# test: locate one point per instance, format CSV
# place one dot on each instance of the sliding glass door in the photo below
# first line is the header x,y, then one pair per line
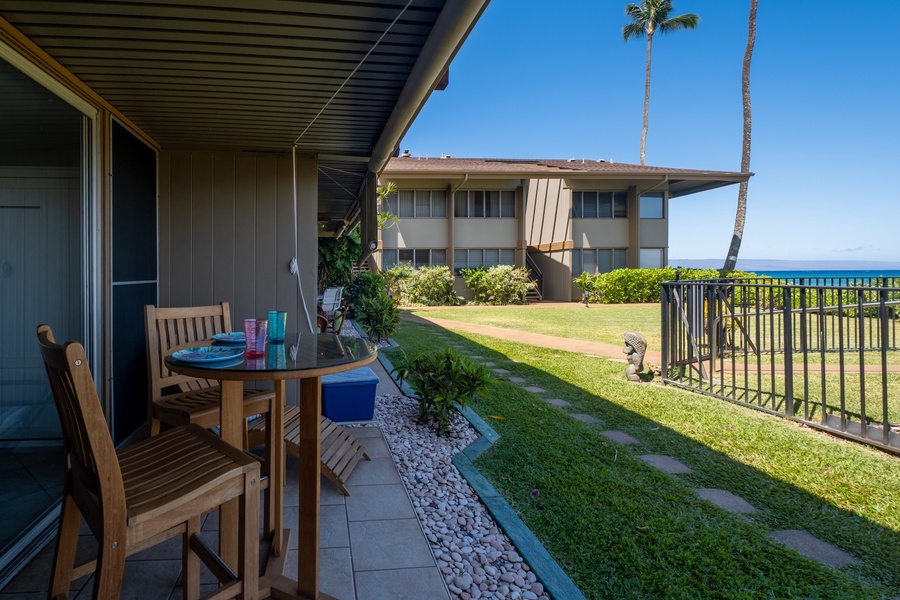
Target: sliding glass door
x,y
44,278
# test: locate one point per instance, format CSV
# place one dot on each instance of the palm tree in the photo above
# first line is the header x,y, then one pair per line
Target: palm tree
x,y
741,214
649,17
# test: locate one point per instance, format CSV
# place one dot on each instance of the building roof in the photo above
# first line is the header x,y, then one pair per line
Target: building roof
x,y
681,181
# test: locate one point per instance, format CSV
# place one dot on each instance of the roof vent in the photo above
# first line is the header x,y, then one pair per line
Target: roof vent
x,y
445,156
405,154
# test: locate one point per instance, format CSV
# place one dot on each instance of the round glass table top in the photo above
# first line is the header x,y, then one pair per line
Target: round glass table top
x,y
316,353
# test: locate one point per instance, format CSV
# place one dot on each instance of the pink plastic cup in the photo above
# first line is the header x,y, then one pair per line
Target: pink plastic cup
x,y
255,331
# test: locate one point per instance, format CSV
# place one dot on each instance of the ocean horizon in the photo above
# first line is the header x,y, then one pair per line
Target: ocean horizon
x,y
864,275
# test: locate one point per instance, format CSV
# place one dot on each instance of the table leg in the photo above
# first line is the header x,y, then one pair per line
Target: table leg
x,y
308,481
276,458
231,417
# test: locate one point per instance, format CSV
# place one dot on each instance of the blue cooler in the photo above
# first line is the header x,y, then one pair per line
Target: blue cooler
x,y
350,395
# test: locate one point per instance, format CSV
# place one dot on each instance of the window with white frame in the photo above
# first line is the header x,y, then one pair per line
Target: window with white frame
x,y
599,205
598,260
417,257
651,258
484,204
417,204
472,258
652,205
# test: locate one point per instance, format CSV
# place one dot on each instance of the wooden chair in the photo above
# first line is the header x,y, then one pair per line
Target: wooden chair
x,y
195,400
322,323
142,495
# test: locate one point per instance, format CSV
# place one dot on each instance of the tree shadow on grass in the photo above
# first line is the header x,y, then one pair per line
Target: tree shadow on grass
x,y
623,529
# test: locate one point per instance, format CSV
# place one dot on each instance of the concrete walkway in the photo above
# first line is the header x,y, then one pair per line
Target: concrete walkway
x,y
612,351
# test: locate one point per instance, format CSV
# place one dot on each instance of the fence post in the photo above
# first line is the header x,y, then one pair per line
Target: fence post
x,y
665,307
788,353
883,322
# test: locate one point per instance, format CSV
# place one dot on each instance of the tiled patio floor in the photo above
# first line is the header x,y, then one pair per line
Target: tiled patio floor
x,y
372,546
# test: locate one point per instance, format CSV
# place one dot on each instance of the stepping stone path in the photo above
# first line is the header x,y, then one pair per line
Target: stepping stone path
x,y
812,547
535,389
557,402
489,364
586,418
665,463
727,500
516,380
619,436
500,371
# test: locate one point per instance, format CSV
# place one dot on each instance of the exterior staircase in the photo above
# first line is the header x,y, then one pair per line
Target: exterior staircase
x,y
535,294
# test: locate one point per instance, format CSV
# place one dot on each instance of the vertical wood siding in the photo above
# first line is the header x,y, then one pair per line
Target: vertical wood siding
x,y
226,233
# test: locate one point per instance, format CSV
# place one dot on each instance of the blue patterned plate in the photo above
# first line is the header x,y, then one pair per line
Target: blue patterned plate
x,y
205,354
232,337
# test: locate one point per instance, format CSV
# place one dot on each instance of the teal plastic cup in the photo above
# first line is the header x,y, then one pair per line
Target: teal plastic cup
x,y
277,323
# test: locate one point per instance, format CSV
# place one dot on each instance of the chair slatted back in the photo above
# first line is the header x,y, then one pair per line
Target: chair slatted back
x,y
331,300
93,468
166,328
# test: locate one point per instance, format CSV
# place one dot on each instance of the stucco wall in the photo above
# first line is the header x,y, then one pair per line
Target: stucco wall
x,y
485,233
416,233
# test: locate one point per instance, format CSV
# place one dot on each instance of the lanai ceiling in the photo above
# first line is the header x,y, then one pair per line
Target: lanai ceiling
x,y
339,79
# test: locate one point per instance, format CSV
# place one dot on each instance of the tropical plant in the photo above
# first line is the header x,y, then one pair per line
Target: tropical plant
x,y
336,258
366,284
648,18
741,213
442,380
378,316
386,218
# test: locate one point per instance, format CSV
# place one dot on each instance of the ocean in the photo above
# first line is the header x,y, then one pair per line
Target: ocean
x,y
859,276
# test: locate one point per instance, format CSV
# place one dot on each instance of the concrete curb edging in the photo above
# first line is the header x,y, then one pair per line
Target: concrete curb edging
x,y
555,581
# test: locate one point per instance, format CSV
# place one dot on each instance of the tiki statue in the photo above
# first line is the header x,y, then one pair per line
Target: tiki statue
x,y
635,347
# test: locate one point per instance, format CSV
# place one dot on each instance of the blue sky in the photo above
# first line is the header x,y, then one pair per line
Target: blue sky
x,y
539,79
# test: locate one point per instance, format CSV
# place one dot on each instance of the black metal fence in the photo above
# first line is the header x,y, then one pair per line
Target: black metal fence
x,y
826,353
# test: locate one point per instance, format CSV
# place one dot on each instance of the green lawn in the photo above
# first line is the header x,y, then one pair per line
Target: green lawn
x,y
622,529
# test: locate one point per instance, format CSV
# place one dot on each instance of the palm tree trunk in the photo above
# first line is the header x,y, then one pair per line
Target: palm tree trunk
x,y
646,101
741,214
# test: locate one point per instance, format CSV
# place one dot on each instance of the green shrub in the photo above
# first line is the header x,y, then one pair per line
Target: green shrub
x,y
500,284
378,316
630,286
366,284
442,380
396,277
431,286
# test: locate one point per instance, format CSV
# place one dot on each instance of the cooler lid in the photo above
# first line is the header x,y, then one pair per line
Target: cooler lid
x,y
360,375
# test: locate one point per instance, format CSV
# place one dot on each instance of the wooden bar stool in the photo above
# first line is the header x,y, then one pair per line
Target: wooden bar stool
x,y
144,494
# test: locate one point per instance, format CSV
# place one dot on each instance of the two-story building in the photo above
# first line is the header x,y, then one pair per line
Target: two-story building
x,y
559,217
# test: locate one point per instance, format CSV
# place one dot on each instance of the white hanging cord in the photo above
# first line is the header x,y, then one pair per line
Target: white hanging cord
x,y
353,72
295,268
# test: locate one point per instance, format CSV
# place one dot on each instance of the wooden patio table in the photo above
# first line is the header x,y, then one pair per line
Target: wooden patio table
x,y
306,357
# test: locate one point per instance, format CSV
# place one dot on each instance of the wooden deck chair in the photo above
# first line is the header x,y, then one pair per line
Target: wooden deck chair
x,y
340,451
196,400
144,494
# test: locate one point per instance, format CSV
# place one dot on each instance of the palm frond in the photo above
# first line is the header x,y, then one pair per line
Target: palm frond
x,y
688,21
633,30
